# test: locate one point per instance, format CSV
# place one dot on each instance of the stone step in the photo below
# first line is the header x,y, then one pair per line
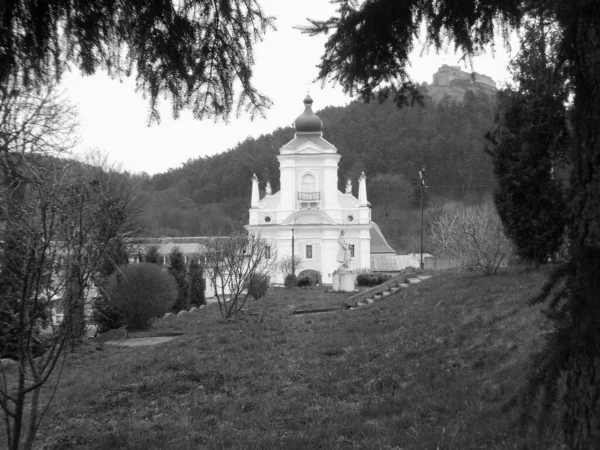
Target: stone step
x,y
413,280
395,289
386,293
424,277
403,285
362,303
370,300
377,296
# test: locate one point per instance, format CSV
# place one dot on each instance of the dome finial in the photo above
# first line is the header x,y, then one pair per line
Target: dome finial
x,y
308,121
308,101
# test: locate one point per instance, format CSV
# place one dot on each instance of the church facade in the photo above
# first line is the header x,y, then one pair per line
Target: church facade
x,y
310,211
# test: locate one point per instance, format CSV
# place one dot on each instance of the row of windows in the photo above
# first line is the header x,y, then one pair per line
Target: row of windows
x,y
309,251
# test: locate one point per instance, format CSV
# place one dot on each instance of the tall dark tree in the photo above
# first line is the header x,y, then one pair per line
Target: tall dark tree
x,y
527,145
178,269
197,283
369,44
192,52
152,255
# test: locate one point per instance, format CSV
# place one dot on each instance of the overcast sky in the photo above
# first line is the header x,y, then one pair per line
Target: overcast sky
x,y
114,118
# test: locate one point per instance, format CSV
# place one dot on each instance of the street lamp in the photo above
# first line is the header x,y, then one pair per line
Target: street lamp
x,y
421,172
293,257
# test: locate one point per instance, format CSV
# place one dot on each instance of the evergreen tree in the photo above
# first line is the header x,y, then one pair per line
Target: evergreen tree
x,y
178,269
193,52
197,284
152,256
369,43
527,144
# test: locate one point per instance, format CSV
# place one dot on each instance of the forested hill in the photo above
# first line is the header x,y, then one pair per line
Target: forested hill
x,y
211,195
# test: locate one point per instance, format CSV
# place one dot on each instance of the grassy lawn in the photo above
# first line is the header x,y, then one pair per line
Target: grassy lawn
x,y
431,367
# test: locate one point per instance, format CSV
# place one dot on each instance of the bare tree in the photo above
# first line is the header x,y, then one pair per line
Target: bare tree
x,y
474,235
232,263
286,267
58,219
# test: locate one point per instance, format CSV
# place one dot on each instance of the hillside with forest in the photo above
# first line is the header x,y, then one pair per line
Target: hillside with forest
x,y
211,195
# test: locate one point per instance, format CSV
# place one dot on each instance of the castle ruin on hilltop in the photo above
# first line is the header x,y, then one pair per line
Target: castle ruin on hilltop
x,y
453,82
446,74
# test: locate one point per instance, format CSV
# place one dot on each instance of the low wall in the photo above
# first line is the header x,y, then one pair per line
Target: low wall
x,y
440,263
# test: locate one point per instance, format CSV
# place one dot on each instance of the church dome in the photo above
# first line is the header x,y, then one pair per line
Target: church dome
x,y
308,121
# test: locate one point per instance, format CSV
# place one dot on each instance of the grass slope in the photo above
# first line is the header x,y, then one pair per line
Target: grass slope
x,y
428,368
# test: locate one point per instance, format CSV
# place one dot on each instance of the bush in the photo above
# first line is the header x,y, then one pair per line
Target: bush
x,y
258,286
371,279
141,293
314,277
474,235
304,281
178,269
291,281
105,315
197,284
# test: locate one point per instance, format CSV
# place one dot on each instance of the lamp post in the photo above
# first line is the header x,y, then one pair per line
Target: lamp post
x,y
293,257
422,186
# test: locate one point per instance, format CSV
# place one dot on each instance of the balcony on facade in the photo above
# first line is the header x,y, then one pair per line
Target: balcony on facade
x,y
309,199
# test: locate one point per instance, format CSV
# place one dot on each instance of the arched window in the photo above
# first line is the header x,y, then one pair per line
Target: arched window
x,y
308,183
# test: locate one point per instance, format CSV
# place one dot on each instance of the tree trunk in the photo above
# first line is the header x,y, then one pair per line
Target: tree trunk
x,y
582,397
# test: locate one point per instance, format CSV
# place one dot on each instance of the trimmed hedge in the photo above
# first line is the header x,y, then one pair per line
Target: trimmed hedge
x,y
372,279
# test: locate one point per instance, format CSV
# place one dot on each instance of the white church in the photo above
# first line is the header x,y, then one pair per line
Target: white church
x,y
310,209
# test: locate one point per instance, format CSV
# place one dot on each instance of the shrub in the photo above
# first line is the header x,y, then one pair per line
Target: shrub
x,y
304,281
258,286
152,255
105,315
474,235
178,269
371,279
196,283
290,281
314,277
141,293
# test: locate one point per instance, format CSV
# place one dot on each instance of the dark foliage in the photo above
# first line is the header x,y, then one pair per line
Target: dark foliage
x,y
178,270
291,281
304,282
192,52
152,256
197,284
309,277
369,44
141,293
259,285
371,279
105,315
528,148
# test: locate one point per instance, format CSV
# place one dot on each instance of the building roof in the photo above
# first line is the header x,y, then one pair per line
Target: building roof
x,y
187,245
308,121
378,243
302,139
